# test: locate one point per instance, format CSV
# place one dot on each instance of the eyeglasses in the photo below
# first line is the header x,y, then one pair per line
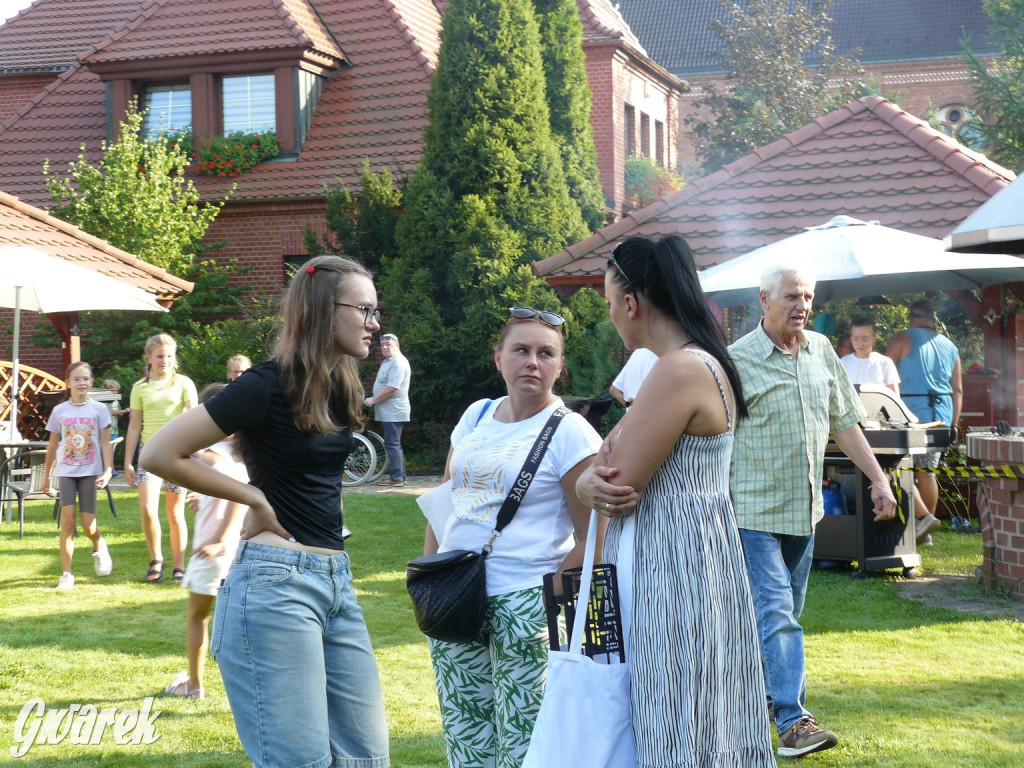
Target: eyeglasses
x,y
525,313
368,312
615,263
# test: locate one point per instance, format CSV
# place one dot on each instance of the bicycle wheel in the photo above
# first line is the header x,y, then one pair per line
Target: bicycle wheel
x,y
360,463
382,456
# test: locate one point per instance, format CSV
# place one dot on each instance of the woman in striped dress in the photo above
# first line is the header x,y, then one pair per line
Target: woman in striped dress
x,y
663,477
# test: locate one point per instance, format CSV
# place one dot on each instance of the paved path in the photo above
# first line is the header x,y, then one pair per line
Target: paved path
x,y
416,485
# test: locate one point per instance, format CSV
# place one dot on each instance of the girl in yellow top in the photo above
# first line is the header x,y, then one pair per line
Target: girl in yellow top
x,y
158,397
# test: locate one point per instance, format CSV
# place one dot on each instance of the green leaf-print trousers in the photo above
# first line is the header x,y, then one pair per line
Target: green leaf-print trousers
x,y
491,689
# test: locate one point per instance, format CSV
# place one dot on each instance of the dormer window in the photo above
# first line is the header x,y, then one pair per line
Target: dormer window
x,y
248,104
168,109
261,71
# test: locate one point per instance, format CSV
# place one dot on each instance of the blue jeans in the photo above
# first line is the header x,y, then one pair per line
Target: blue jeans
x,y
296,660
778,567
393,448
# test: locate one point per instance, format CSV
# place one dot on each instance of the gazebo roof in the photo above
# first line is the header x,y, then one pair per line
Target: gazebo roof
x,y
23,224
869,159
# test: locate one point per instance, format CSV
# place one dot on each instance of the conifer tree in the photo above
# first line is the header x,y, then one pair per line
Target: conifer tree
x,y
488,199
568,91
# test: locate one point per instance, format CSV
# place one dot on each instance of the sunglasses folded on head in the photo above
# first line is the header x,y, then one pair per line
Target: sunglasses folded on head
x,y
525,313
615,263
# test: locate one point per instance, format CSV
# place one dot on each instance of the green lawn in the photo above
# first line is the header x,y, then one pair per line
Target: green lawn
x,y
902,683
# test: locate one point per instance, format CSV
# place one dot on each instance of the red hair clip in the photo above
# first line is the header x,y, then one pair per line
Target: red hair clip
x,y
311,270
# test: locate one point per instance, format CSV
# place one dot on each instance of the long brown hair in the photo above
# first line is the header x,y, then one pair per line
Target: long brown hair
x,y
306,344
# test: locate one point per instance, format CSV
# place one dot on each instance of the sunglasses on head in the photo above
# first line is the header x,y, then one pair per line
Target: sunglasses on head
x,y
615,263
525,313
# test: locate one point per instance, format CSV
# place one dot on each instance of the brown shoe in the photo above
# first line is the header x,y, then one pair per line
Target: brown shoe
x,y
804,737
389,482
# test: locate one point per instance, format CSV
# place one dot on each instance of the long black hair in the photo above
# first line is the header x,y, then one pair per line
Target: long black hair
x,y
662,273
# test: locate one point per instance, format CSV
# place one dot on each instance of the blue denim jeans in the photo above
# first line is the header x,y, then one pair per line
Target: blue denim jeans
x,y
393,448
296,660
778,567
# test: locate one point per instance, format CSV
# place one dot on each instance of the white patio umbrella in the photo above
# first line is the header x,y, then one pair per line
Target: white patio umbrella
x,y
997,226
34,280
852,258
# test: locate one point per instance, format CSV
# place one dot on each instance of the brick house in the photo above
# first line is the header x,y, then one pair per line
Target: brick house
x,y
911,46
339,81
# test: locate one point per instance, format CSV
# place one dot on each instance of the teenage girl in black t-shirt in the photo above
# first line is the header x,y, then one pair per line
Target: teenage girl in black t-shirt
x,y
289,637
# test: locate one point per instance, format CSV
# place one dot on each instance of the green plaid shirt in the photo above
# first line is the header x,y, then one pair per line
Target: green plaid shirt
x,y
794,404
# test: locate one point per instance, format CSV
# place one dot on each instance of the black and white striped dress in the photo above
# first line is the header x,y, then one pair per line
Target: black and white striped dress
x,y
697,688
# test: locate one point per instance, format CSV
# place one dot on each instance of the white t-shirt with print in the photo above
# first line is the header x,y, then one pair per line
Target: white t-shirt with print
x,y
486,460
79,453
873,369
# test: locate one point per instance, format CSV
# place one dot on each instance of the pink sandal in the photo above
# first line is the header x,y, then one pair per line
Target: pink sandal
x,y
179,687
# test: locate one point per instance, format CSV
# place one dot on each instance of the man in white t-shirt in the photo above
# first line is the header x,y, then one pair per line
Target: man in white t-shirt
x,y
632,375
390,401
864,365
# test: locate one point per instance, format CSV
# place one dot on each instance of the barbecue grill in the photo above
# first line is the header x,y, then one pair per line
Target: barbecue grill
x,y
895,436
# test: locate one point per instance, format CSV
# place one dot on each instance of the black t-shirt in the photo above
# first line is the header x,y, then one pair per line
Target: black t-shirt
x,y
299,472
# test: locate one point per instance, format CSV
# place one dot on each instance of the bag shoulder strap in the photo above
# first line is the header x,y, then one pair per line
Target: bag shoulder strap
x,y
526,474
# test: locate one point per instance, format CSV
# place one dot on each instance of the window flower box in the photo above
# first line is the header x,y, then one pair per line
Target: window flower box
x,y
234,154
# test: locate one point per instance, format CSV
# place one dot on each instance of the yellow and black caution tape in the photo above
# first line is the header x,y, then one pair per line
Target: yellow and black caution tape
x,y
1001,471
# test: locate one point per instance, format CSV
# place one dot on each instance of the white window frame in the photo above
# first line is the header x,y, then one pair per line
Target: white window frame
x,y
244,104
176,117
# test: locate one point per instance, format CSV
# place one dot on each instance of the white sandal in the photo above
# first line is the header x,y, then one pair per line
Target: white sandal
x,y
179,687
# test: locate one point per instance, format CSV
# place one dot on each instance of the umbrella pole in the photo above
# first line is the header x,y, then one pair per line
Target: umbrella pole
x,y
14,362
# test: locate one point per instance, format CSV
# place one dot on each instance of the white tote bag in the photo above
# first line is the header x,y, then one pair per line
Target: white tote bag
x,y
585,717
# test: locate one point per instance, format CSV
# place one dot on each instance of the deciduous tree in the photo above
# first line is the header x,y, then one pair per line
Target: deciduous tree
x,y
138,198
784,73
999,84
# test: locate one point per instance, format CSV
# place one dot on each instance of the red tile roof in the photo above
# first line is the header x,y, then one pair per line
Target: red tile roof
x,y
602,21
166,28
51,34
870,160
374,109
22,224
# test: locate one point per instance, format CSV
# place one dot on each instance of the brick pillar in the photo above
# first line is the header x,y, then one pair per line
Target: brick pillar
x,y
1001,513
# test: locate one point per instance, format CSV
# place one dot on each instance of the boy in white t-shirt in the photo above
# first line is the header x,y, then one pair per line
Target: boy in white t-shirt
x,y
215,537
864,365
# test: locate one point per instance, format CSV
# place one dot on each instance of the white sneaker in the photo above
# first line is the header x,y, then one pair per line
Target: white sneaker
x,y
101,561
67,580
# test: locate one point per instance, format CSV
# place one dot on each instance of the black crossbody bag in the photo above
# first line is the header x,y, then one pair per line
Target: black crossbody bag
x,y
449,589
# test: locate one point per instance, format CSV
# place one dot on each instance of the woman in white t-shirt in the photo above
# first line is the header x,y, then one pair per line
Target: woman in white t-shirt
x,y
864,365
491,689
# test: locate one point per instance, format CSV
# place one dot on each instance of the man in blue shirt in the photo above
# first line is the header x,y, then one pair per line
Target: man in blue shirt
x,y
929,367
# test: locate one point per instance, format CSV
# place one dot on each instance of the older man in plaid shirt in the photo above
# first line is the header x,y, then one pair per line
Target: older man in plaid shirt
x,y
798,394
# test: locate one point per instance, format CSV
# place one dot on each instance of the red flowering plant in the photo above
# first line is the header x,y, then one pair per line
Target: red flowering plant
x,y
646,181
234,153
